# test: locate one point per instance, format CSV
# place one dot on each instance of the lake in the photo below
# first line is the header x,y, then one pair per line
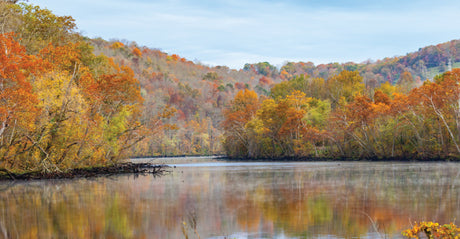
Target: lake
x,y
207,198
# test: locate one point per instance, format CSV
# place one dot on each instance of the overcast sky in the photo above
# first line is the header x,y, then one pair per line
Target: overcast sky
x,y
235,32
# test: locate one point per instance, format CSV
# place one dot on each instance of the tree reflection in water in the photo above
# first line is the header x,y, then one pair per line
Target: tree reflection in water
x,y
270,200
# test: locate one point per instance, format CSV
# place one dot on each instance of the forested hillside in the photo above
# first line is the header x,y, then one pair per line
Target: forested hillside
x,y
183,100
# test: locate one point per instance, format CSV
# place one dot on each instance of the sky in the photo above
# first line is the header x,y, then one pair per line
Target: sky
x,y
235,32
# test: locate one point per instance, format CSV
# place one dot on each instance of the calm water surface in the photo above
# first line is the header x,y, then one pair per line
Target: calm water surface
x,y
215,199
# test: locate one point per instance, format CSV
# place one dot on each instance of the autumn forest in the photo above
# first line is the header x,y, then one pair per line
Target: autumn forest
x,y
69,101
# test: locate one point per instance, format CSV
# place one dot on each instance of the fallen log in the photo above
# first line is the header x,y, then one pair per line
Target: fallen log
x,y
115,169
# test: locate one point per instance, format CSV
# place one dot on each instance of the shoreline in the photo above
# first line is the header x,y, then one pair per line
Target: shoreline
x,y
344,159
90,172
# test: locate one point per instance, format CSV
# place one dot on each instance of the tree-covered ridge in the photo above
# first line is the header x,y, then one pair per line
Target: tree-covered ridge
x,y
340,117
418,66
196,95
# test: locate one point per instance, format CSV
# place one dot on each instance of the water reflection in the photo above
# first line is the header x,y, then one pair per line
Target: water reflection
x,y
238,200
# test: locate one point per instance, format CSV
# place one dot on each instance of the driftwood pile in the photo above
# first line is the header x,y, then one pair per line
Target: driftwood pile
x,y
115,169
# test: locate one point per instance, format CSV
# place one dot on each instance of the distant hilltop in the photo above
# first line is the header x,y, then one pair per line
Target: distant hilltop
x,y
424,64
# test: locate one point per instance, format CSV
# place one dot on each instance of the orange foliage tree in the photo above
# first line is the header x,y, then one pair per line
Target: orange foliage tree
x,y
18,101
137,52
432,230
16,95
243,108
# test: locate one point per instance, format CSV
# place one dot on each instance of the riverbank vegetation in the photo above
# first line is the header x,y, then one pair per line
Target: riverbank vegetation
x,y
61,106
341,117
